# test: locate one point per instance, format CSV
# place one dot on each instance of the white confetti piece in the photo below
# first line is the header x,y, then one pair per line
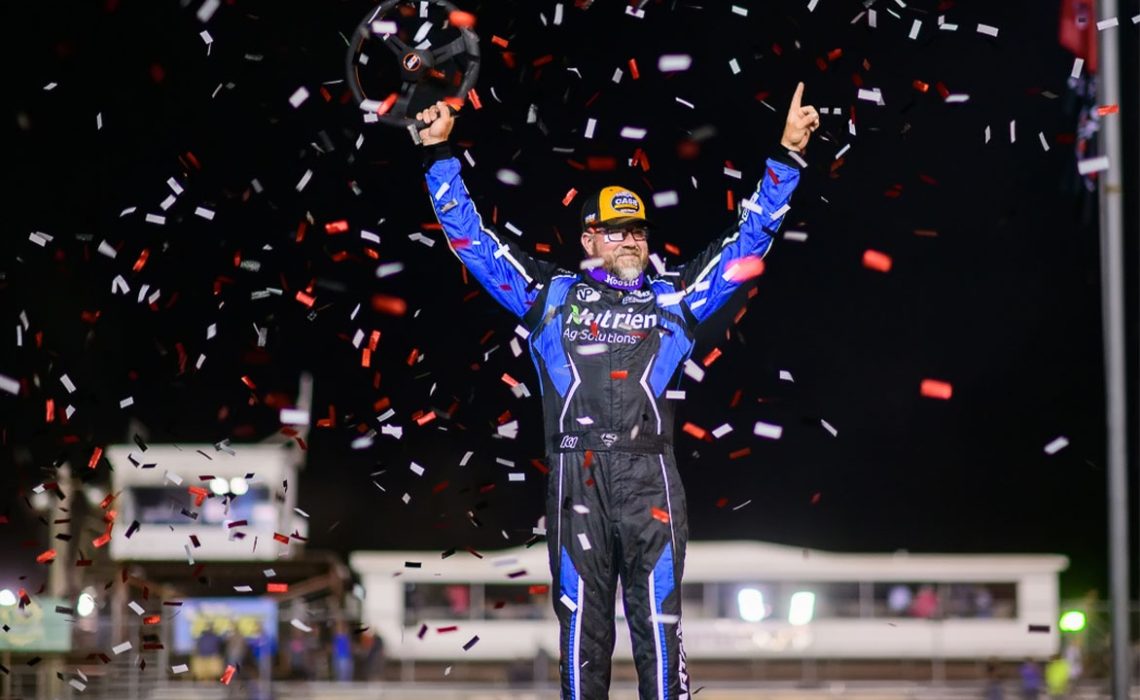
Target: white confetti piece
x,y
107,249
156,219
957,99
581,509
298,97
1078,63
871,95
513,229
393,430
1107,24
843,150
207,39
987,134
507,177
722,431
987,30
634,12
300,625
204,213
77,684
243,589
416,469
207,10
914,28
665,199
617,75
734,65
1013,131
675,394
557,14
693,370
509,430
786,376
127,402
9,385
50,86
798,236
674,63
565,599
99,121
180,668
781,211
1092,165
120,648
767,430
173,478
1044,143
40,239
138,609
67,384
812,3
1056,445
738,10
584,541
304,180
516,476
421,238
828,427
384,27
632,133
688,104
670,298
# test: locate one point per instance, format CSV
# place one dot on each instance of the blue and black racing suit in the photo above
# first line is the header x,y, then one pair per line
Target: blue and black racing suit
x,y
607,359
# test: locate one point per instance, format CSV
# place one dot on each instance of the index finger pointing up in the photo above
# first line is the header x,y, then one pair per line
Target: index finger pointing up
x,y
797,96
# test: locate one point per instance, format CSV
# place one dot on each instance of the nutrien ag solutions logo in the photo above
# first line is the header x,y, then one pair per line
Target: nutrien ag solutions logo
x,y
582,316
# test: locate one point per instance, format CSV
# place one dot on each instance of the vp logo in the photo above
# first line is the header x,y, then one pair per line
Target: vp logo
x,y
586,295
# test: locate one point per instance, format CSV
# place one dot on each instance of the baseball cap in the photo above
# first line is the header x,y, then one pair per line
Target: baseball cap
x,y
613,206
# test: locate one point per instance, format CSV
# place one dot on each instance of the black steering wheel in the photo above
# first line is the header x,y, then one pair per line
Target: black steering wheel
x,y
424,73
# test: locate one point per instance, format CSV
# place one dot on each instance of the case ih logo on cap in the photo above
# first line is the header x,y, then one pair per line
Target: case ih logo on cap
x,y
412,62
626,203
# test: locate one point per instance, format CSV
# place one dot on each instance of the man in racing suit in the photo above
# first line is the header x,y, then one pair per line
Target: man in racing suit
x,y
608,343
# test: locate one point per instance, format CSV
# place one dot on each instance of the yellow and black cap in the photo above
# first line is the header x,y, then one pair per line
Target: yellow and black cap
x,y
613,206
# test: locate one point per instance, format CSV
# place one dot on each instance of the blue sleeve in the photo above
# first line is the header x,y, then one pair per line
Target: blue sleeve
x,y
702,279
511,276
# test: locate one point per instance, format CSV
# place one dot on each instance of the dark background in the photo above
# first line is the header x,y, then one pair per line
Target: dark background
x,y
1003,302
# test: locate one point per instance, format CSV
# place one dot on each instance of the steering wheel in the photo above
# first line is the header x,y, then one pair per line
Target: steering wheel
x,y
426,73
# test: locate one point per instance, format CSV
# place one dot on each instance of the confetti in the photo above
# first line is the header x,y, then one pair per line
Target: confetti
x,y
767,430
584,541
1056,445
632,133
9,385
874,260
298,97
1092,165
674,63
935,389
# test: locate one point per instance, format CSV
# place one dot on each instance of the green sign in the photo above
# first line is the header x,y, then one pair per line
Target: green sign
x,y
36,627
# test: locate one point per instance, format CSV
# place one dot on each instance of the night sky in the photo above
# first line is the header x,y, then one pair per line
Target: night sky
x,y
994,284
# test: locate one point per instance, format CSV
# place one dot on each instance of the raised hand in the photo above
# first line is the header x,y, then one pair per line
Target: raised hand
x,y
801,122
439,120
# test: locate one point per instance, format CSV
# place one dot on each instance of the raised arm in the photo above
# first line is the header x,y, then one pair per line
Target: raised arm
x,y
504,269
709,279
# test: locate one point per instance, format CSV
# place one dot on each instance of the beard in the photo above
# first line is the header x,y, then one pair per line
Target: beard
x,y
626,263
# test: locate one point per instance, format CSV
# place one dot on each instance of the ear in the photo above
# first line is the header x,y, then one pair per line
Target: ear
x,y
586,239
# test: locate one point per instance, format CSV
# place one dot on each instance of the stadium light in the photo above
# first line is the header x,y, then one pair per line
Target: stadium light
x,y
7,598
1072,621
802,608
239,486
750,601
85,605
219,486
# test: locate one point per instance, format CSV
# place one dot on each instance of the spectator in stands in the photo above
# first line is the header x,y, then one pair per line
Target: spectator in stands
x,y
925,604
994,689
983,602
206,662
1057,677
898,599
341,653
1031,679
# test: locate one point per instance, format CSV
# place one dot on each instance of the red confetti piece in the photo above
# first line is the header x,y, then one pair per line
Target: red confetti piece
x,y
393,306
711,357
721,502
874,260
387,104
815,498
445,630
730,200
199,494
633,72
248,382
542,247
672,249
152,619
141,262
283,539
499,41
834,54
542,60
921,86
1107,109
509,380
96,455
336,226
49,411
426,418
934,389
461,19
101,540
474,97
228,675
695,430
305,299
744,269
46,557
659,514
619,374
365,357
588,459
276,588
538,589
569,197
455,103
742,452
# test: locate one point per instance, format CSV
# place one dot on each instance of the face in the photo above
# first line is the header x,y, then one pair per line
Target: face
x,y
626,259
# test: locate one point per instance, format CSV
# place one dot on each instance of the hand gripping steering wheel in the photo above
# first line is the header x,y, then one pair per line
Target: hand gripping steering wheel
x,y
426,73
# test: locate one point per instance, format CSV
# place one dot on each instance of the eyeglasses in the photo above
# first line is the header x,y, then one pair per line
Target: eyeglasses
x,y
617,235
